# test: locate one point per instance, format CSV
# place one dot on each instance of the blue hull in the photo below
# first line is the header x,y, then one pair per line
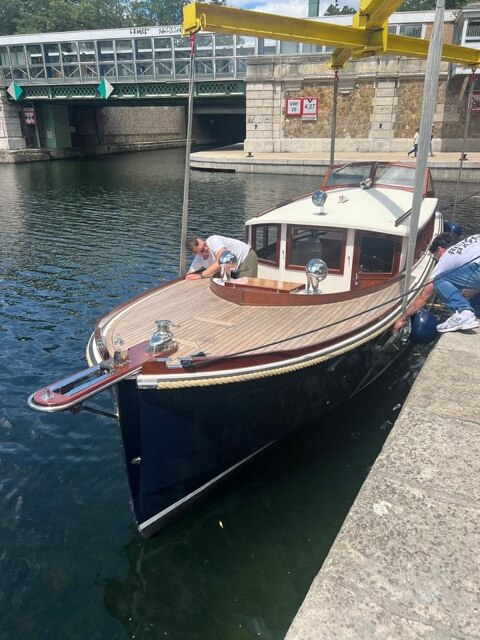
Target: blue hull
x,y
179,444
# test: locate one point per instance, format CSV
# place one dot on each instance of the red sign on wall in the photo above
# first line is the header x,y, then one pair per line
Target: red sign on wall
x,y
29,115
305,108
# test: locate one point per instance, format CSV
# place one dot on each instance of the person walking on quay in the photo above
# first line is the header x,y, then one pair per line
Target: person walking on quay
x,y
457,268
214,246
415,144
430,147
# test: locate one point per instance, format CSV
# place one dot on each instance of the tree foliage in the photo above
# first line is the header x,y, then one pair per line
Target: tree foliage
x,y
429,5
34,16
335,10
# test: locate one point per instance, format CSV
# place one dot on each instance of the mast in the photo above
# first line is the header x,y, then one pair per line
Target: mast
x,y
428,107
188,147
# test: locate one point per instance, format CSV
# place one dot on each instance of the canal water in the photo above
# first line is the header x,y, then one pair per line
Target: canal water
x,y
78,237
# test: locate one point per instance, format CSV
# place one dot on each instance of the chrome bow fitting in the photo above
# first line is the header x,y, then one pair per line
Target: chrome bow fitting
x,y
162,338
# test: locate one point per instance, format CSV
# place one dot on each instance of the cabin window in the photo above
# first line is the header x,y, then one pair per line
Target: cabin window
x,y
305,243
377,254
424,238
265,242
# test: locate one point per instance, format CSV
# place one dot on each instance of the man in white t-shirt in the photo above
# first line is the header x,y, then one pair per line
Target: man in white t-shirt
x,y
457,268
199,263
213,247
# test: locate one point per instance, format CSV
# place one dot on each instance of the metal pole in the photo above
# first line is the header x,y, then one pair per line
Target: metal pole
x,y
188,146
333,130
465,132
428,108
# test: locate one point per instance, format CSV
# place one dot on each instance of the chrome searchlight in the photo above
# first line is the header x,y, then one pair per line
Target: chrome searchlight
x,y
228,262
319,198
316,271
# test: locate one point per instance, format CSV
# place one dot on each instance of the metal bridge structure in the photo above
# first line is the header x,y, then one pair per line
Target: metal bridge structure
x,y
154,62
131,63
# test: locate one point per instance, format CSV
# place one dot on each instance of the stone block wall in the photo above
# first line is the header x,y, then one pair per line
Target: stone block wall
x,y
10,127
120,125
378,108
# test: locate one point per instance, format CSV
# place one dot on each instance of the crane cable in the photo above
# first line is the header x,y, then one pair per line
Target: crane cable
x,y
465,132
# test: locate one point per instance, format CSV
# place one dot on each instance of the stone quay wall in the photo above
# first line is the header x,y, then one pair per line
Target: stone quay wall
x,y
140,124
378,108
10,129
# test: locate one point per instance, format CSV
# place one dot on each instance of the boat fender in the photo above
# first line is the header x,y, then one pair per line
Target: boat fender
x,y
454,228
423,327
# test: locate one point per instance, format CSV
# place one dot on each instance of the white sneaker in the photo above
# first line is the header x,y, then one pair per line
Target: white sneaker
x,y
459,321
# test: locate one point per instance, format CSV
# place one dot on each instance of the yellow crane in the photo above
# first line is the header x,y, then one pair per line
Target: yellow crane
x,y
368,35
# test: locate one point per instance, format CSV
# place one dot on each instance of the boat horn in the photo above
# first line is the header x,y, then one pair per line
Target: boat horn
x,y
317,271
228,262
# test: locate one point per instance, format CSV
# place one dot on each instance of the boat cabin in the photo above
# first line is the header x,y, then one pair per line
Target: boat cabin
x,y
358,224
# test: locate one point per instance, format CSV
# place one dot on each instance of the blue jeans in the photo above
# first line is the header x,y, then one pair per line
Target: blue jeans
x,y
450,283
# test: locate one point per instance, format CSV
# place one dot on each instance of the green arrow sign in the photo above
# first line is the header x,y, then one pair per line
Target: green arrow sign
x,y
15,91
105,89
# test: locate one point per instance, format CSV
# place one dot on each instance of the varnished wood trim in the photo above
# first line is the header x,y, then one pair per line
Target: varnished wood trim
x,y
244,295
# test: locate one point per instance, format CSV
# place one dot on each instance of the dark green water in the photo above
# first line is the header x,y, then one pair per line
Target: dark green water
x,y
76,239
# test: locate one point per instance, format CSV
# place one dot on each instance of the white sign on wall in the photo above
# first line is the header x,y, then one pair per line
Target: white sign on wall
x,y
309,108
294,107
305,108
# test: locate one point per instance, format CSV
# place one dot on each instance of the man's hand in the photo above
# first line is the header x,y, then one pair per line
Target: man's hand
x,y
193,276
398,326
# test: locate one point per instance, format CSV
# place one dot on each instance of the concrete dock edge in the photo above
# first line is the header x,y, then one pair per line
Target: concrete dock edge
x,y
444,166
406,562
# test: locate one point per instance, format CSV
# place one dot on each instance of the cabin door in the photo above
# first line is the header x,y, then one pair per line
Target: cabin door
x,y
375,259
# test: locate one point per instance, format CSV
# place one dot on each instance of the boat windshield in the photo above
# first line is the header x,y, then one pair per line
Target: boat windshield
x,y
395,175
381,173
349,174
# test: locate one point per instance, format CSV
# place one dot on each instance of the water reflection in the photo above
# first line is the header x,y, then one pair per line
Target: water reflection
x,y
78,237
239,566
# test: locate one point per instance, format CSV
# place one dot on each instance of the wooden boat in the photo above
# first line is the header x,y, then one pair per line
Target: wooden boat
x,y
236,364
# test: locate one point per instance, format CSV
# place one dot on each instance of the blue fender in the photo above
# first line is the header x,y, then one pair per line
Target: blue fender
x,y
423,327
453,227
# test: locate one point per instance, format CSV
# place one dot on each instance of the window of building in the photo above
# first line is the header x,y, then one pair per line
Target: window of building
x,y
305,243
267,47
245,46
182,48
410,30
313,8
105,50
163,48
4,58
17,55
124,50
265,242
313,48
69,52
224,46
143,49
87,51
473,31
204,46
34,54
289,48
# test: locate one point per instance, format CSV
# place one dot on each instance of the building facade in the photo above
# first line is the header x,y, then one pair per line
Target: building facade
x,y
379,99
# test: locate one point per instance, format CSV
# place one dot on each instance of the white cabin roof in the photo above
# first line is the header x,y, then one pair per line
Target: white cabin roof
x,y
375,209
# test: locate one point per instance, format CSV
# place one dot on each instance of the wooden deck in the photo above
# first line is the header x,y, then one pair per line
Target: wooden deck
x,y
205,322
